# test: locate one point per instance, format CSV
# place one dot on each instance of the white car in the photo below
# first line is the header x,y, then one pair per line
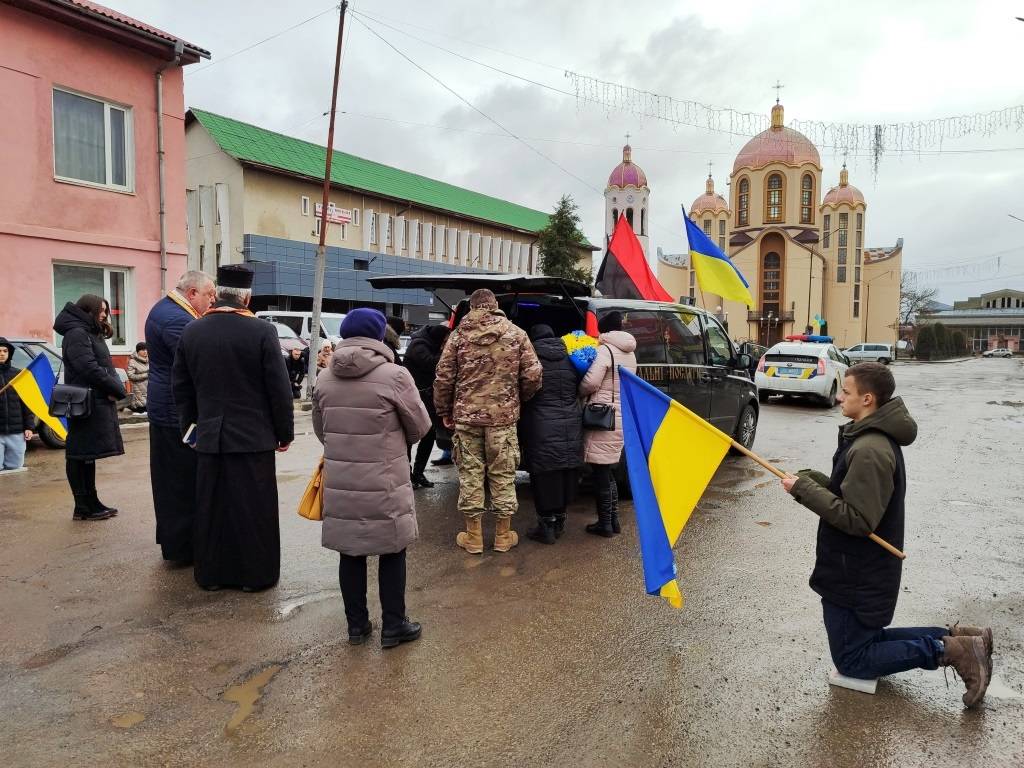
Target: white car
x,y
880,353
999,352
801,368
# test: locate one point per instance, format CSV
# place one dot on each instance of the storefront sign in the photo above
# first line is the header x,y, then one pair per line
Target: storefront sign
x,y
335,215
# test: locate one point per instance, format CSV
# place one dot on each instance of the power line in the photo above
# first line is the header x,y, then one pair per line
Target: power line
x,y
380,20
260,42
475,108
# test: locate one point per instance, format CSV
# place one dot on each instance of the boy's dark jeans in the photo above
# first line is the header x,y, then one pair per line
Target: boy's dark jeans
x,y
867,653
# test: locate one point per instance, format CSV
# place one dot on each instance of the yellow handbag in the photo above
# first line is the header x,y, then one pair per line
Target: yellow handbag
x,y
311,505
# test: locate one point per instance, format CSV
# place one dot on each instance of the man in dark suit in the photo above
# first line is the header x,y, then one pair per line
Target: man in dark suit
x,y
172,465
231,383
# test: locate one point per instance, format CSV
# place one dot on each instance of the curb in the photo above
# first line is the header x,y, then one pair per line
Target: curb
x,y
934,362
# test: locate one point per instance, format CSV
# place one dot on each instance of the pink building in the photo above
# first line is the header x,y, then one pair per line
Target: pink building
x,y
80,186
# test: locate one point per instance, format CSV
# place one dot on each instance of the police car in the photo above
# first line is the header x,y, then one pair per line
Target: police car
x,y
807,366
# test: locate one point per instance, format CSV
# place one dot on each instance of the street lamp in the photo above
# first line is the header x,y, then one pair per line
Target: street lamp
x,y
867,302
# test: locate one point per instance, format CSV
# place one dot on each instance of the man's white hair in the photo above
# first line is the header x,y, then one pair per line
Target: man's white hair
x,y
240,295
193,279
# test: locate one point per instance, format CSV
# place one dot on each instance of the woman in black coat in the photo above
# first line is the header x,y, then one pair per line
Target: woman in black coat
x,y
421,358
85,328
551,433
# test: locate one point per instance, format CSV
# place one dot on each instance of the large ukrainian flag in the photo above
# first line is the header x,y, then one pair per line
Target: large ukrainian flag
x,y
34,386
715,271
671,456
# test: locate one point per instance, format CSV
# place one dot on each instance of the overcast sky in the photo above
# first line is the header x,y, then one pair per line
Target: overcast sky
x,y
873,62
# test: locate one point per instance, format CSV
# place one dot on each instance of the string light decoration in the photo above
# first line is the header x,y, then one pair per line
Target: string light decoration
x,y
876,139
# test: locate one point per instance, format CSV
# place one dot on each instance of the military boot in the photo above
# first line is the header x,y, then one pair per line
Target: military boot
x,y
985,633
966,654
504,537
472,539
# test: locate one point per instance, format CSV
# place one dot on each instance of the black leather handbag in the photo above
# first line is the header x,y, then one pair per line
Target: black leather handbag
x,y
601,416
70,402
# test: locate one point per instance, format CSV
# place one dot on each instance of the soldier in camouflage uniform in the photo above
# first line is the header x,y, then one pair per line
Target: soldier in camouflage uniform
x,y
486,369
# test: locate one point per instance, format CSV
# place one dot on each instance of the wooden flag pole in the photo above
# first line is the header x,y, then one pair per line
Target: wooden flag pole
x,y
780,474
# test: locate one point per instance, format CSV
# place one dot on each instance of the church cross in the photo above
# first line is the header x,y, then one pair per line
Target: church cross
x,y
778,90
627,138
709,168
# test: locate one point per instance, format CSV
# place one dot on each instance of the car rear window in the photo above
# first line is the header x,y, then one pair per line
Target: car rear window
x,y
787,358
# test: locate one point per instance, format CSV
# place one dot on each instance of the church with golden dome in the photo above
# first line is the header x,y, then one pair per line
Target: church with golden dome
x,y
802,253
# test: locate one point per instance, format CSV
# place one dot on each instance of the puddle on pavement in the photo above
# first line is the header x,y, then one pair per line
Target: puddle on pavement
x,y
288,607
246,694
128,719
999,690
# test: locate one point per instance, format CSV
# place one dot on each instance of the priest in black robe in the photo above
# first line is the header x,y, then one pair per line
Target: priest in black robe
x,y
230,381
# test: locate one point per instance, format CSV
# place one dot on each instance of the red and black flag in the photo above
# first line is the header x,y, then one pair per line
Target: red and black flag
x,y
624,273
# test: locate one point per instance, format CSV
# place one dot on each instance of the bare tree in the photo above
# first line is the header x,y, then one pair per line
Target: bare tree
x,y
913,298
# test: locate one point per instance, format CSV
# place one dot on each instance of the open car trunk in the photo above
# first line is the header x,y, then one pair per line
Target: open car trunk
x,y
527,300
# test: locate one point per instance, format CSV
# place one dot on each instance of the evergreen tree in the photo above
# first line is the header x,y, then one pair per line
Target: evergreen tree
x,y
959,342
925,345
942,341
560,244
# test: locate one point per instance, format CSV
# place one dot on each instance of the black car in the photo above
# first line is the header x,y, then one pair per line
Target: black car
x,y
682,350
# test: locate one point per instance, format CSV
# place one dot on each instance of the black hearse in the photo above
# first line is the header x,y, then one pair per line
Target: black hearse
x,y
682,350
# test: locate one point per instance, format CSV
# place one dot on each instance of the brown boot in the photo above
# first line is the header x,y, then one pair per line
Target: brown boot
x,y
472,539
504,537
985,633
966,654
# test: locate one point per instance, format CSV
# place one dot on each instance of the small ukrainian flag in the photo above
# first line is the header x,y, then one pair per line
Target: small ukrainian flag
x,y
671,456
34,386
715,271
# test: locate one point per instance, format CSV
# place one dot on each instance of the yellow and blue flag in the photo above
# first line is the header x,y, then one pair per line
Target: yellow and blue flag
x,y
34,386
671,456
715,271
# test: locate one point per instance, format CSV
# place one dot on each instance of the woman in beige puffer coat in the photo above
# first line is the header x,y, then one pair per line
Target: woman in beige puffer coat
x,y
602,449
366,412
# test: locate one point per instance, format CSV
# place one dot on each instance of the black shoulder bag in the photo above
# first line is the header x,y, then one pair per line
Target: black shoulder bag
x,y
602,415
70,402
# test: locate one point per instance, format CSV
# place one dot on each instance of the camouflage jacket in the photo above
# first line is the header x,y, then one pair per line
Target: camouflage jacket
x,y
487,368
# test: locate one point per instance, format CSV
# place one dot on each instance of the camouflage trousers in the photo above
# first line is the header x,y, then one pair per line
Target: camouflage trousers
x,y
486,457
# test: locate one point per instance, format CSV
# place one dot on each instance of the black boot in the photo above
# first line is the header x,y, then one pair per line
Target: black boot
x,y
615,506
406,632
419,480
603,526
89,475
559,523
544,531
77,479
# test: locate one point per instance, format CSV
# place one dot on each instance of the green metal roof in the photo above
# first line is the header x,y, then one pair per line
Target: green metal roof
x,y
248,143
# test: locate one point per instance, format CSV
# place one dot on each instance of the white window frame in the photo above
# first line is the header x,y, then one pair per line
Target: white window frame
x,y
129,295
317,222
304,205
129,143
355,217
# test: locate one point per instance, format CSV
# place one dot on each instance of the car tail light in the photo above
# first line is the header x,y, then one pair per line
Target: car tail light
x,y
591,325
821,367
760,363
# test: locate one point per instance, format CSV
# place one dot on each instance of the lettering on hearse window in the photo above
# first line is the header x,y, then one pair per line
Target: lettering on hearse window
x,y
655,374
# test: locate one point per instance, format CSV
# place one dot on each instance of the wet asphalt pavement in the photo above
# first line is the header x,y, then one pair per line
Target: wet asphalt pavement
x,y
542,656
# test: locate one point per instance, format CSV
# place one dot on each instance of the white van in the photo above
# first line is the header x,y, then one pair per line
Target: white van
x,y
880,353
300,322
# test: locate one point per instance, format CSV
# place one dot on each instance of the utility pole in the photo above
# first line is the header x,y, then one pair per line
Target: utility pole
x,y
321,251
